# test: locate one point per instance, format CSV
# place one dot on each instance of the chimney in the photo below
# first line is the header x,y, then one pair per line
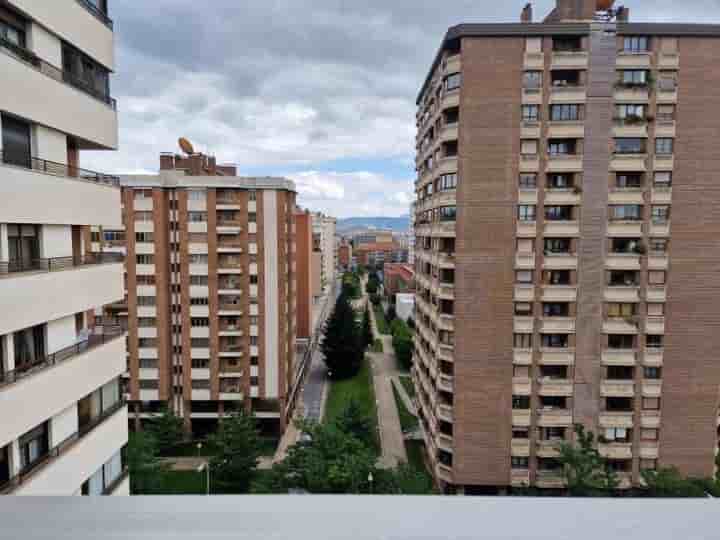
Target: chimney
x,y
527,14
167,162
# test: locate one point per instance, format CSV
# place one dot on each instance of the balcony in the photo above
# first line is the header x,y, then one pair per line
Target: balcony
x,y
551,356
568,94
524,293
615,450
619,325
619,357
655,325
521,386
616,388
554,417
560,261
445,383
522,357
559,293
525,261
613,419
653,357
63,466
229,247
520,447
548,448
572,129
526,229
651,388
569,60
629,294
558,325
550,479
555,387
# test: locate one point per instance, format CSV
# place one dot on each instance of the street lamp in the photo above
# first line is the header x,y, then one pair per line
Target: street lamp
x,y
370,481
206,467
199,447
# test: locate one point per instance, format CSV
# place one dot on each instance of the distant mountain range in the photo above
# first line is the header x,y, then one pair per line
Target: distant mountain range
x,y
398,224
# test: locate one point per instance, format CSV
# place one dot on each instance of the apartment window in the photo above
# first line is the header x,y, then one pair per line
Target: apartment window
x,y
29,347
553,402
620,373
558,213
649,434
83,71
199,343
618,404
666,113
655,310
146,322
618,435
560,181
564,112
198,238
556,309
142,194
626,212
668,81
197,195
148,363
558,277
199,322
200,363
522,341
635,44
252,217
633,77
524,276
447,182
663,179
623,278
529,147
648,464
12,33
532,80
148,384
199,280
198,301
521,402
565,77
146,280
144,237
658,245
651,404
519,462
447,213
552,433
530,113
562,147
16,142
526,213
523,309
23,246
557,245
567,44
528,181
200,384
145,259
34,445
520,432
631,111
664,146
252,195
619,310
145,300
652,372
147,343
143,217
446,337
254,360
621,341
656,277
654,341
630,145
660,214
197,217
452,82
197,258
555,341
628,180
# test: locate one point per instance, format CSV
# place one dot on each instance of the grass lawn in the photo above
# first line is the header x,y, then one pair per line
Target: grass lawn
x,y
408,385
377,346
408,421
360,388
176,483
382,324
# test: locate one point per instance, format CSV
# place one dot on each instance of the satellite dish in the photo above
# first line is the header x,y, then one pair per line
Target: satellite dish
x,y
186,145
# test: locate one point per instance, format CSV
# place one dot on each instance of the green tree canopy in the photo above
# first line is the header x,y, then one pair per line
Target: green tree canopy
x,y
167,429
143,463
402,342
342,343
236,450
367,332
586,472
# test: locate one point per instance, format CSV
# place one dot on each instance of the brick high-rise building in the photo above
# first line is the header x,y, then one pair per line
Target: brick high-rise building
x,y
567,255
63,423
210,292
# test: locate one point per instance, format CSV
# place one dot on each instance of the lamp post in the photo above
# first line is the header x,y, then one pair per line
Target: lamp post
x,y
370,481
206,468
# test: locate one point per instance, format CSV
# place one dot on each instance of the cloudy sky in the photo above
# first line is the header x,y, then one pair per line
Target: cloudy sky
x,y
321,91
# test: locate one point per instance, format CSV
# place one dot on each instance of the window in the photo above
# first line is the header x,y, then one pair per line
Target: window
x,y
556,309
200,363
565,77
628,180
522,341
142,194
558,277
198,301
555,341
562,147
557,245
649,434
660,214
199,280
143,217
532,80
196,258
668,81
146,322
567,44
197,195
145,259
651,404
631,111
530,113
29,347
623,278
526,213
666,113
656,277
558,213
560,181
452,82
523,308
520,462
148,384
618,310
564,112
553,402
16,142
252,217
621,341
618,404
620,373
147,343
12,33
199,343
144,237
626,212
252,195
447,182
197,217
447,213
148,363
663,179
635,44
528,181
652,372
199,322
145,300
617,435
520,432
633,77
198,238
83,72
552,433
654,341
664,146
524,276
34,445
529,147
521,402
630,145
658,245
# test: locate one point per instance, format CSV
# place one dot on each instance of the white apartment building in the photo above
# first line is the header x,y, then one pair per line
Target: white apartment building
x,y
63,423
324,240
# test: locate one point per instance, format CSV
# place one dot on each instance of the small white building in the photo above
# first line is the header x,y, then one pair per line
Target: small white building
x,y
405,306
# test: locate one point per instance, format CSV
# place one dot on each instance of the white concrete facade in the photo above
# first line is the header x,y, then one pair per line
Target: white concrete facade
x,y
62,421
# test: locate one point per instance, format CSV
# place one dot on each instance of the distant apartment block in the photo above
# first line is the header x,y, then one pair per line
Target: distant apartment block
x,y
325,245
566,255
211,281
345,254
377,254
63,422
398,278
305,273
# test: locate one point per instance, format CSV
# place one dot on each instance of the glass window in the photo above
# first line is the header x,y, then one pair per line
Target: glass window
x,y
564,112
523,308
446,182
555,341
532,79
626,212
197,195
617,310
526,213
660,214
16,142
524,276
34,445
634,77
29,347
452,82
556,309
530,113
559,213
621,341
521,402
448,213
560,181
664,146
523,341
12,34
628,180
630,146
652,372
145,259
635,44
663,179
528,181
557,245
197,217
629,111
529,147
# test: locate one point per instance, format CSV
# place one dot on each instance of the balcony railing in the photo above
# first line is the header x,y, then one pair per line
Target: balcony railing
x,y
97,12
59,263
59,450
55,72
93,341
56,169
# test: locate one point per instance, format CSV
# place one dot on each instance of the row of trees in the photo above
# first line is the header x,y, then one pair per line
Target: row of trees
x,y
402,340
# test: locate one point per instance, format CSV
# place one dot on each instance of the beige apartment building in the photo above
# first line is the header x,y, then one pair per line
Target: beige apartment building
x,y
210,279
567,257
63,422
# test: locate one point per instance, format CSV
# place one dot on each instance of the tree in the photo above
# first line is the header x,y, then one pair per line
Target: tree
x,y
342,342
352,421
236,449
402,343
167,429
403,480
668,482
391,314
144,466
586,472
367,332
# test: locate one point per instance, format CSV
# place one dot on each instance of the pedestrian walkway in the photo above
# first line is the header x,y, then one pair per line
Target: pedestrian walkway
x,y
406,399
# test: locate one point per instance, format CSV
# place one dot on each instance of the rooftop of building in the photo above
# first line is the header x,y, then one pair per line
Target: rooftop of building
x,y
405,271
377,246
359,517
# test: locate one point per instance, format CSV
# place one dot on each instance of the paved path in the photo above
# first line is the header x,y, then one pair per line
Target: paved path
x,y
406,399
384,368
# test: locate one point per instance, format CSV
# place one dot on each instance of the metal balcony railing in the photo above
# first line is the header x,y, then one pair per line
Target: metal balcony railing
x,y
56,169
59,263
41,364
